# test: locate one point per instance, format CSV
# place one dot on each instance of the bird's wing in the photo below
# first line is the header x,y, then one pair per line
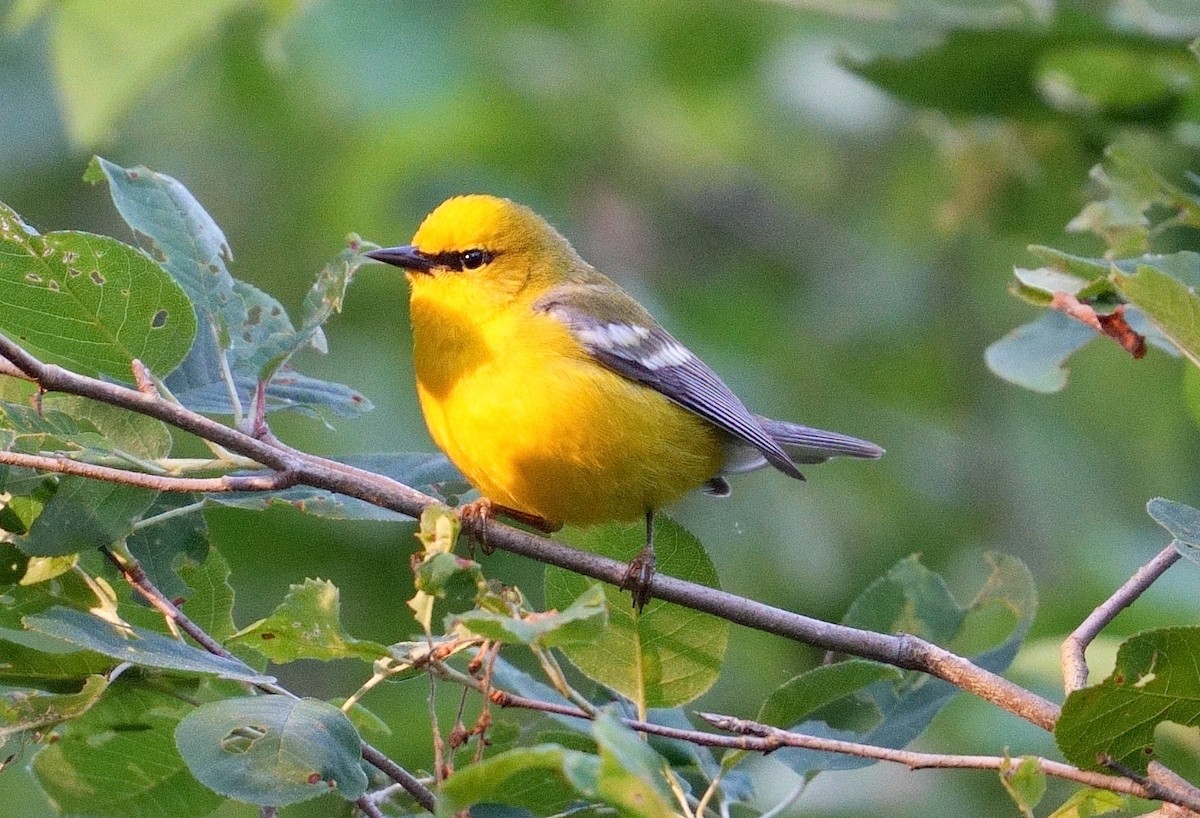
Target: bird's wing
x,y
619,334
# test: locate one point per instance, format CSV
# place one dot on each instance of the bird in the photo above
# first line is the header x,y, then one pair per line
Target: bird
x,y
558,396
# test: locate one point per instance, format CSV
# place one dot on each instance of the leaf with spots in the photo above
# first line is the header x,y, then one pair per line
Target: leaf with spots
x,y
1154,681
665,656
90,302
247,326
273,750
307,625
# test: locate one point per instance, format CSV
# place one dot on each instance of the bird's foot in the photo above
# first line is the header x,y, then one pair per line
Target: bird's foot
x,y
477,515
638,577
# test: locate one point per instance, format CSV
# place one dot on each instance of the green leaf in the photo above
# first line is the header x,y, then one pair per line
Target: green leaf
x,y
273,750
164,548
90,302
1024,782
966,72
666,656
20,710
1033,355
277,342
1183,523
62,671
1154,681
122,430
1113,79
805,696
119,759
307,625
210,602
1088,803
85,514
440,574
544,779
43,569
582,622
631,774
234,316
108,53
137,645
1134,191
173,227
1170,304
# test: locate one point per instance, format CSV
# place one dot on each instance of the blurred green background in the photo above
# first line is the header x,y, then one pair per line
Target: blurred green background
x,y
839,254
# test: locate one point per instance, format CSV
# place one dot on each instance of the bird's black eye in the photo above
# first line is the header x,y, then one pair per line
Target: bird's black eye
x,y
474,259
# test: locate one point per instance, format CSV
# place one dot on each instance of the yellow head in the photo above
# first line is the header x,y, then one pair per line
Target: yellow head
x,y
485,252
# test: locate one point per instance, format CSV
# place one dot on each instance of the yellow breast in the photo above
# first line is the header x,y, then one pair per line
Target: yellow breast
x,y
536,425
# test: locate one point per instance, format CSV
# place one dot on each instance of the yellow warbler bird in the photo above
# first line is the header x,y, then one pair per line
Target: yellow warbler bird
x,y
560,397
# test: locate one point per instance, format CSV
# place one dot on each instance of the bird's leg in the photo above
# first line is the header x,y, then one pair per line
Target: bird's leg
x,y
477,514
641,569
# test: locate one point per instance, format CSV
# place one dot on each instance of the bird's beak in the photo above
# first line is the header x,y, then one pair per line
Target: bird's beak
x,y
406,256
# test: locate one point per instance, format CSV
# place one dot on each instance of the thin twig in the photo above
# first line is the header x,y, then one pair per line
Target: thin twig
x,y
136,576
273,481
181,511
761,738
368,807
908,652
1073,649
773,738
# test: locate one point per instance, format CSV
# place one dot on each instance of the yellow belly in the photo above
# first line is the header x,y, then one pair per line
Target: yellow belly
x,y
541,428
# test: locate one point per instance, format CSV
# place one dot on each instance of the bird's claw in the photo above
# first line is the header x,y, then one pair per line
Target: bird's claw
x,y
638,577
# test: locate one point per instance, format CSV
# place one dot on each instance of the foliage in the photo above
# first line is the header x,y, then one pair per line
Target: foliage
x,y
870,245
274,750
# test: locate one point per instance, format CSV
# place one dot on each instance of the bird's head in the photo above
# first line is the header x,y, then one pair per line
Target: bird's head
x,y
486,244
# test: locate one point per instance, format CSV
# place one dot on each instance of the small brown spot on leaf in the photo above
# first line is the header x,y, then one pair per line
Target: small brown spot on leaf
x,y
159,319
33,278
96,278
254,315
133,174
52,285
70,257
275,311
74,272
267,635
314,778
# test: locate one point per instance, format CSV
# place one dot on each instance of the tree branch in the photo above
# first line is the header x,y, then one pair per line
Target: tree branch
x,y
908,652
1073,648
64,465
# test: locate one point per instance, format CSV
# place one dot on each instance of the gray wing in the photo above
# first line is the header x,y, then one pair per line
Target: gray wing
x,y
622,336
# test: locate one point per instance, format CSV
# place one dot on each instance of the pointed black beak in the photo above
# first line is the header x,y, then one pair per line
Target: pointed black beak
x,y
406,256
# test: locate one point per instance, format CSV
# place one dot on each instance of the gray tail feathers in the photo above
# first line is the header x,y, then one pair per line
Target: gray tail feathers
x,y
803,445
807,445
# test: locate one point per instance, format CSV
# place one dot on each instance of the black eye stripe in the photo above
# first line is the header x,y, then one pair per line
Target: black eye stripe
x,y
471,259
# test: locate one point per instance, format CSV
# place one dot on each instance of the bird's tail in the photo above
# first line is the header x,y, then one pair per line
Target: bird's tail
x,y
807,445
803,445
